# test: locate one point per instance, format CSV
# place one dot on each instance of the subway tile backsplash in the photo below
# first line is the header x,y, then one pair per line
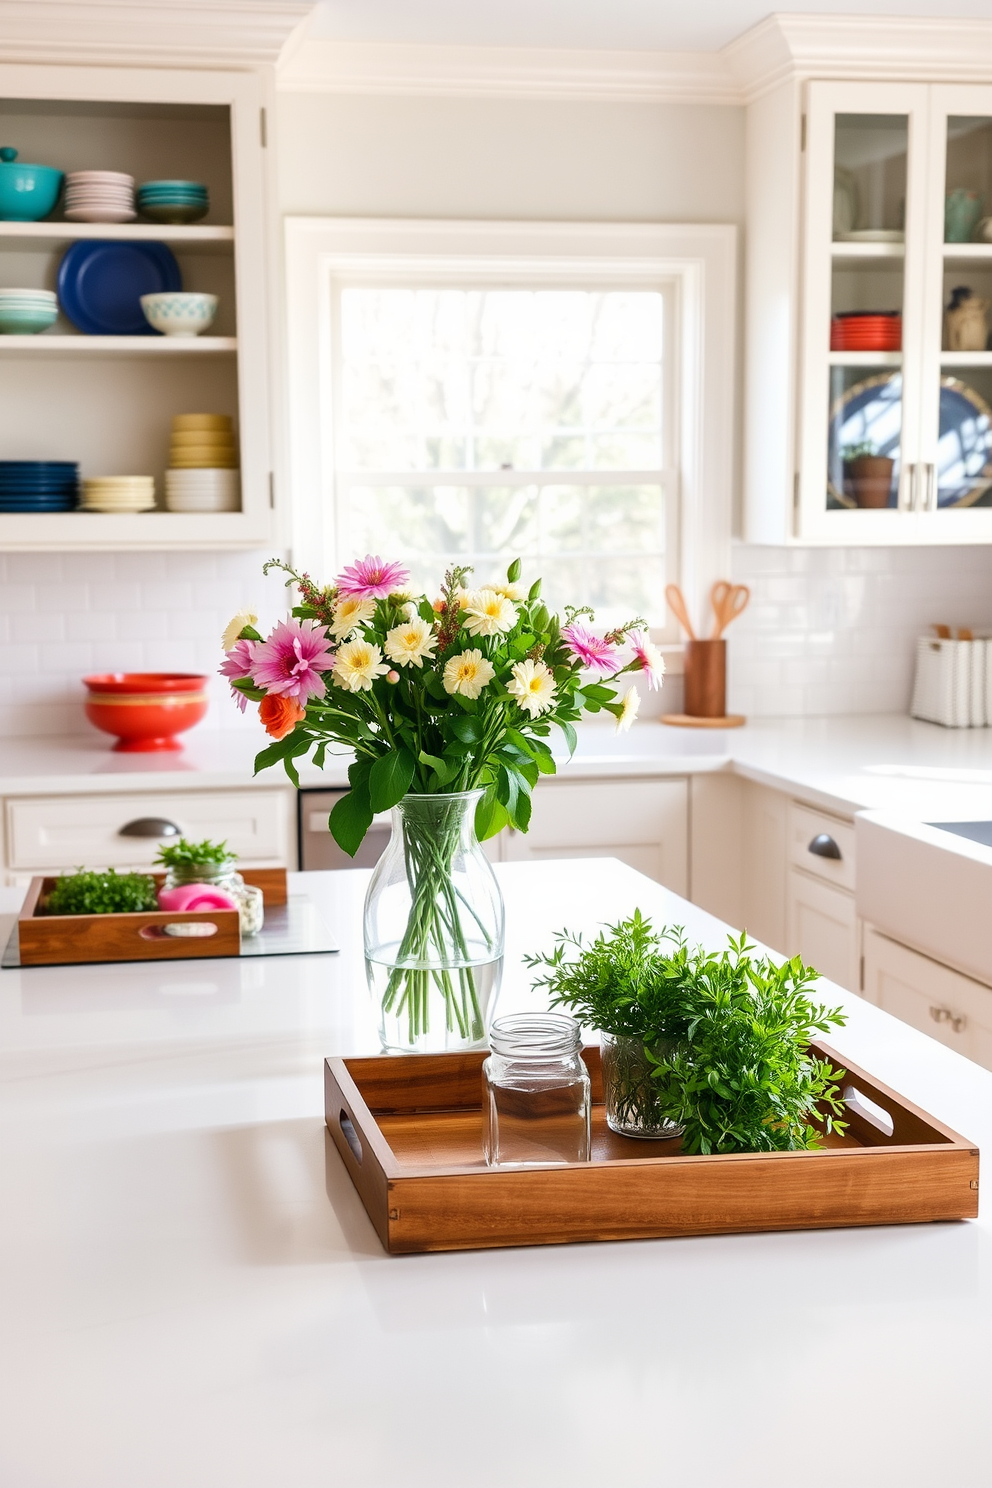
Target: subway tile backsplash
x,y
833,630
829,630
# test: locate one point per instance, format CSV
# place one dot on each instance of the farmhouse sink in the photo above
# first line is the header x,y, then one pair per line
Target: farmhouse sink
x,y
929,885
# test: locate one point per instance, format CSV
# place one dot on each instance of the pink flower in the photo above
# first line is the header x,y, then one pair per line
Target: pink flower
x,y
592,650
291,660
372,578
650,657
237,665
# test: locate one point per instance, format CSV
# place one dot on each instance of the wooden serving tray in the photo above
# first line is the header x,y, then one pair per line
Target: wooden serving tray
x,y
61,940
409,1130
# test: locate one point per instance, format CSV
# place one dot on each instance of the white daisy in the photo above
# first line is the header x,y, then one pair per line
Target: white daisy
x,y
533,686
488,613
349,613
356,666
408,644
233,628
467,673
631,703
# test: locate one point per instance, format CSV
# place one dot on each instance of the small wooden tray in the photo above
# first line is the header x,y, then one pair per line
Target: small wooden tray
x,y
689,720
409,1130
60,940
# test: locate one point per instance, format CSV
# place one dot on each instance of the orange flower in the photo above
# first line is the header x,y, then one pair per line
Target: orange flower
x,y
279,715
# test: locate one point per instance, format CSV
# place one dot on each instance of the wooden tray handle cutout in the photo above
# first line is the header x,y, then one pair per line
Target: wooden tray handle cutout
x,y
876,1116
179,929
350,1135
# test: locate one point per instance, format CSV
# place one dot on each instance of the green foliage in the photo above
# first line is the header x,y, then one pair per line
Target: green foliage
x,y
183,854
729,1031
85,892
851,452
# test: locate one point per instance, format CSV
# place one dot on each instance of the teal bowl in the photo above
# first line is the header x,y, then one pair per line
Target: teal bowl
x,y
27,192
26,322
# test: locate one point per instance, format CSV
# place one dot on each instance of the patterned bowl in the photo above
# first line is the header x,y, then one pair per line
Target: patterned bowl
x,y
145,710
179,312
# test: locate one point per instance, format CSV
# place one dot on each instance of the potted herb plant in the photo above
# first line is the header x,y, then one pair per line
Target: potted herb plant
x,y
714,1044
867,474
86,892
213,864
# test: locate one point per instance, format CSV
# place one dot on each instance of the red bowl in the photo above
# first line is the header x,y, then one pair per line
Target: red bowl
x,y
145,710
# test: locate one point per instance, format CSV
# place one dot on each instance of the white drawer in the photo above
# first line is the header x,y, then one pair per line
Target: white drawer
x,y
805,826
73,831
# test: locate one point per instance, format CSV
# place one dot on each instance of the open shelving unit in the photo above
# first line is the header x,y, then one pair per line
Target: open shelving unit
x,y
108,401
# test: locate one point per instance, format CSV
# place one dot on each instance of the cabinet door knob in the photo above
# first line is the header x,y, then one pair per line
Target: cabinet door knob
x,y
150,826
944,1015
824,846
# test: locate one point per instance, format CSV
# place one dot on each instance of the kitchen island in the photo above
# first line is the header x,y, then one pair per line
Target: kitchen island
x,y
193,1294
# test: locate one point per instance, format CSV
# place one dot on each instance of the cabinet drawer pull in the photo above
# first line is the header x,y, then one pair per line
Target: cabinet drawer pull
x,y
944,1015
150,826
824,846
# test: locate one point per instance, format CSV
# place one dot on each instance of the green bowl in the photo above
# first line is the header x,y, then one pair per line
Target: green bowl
x,y
174,212
26,322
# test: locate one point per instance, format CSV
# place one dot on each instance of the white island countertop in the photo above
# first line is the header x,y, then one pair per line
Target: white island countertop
x,y
192,1294
846,764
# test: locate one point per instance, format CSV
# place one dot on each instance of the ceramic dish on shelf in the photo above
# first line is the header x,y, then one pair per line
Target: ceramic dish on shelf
x,y
179,312
187,423
118,493
26,312
202,490
871,411
100,284
38,485
27,192
99,196
872,235
173,201
866,331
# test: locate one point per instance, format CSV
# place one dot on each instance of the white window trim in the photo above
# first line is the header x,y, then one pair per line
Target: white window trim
x,y
698,260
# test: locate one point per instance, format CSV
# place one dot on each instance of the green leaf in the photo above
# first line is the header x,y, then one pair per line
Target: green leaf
x,y
467,728
444,769
513,572
534,591
571,738
390,778
350,820
490,816
521,817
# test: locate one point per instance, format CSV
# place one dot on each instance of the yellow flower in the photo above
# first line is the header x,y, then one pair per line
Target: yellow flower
x,y
467,673
533,686
508,591
349,614
488,613
410,643
234,627
356,666
631,703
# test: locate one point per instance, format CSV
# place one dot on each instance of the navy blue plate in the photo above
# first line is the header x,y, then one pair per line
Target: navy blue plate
x,y
100,285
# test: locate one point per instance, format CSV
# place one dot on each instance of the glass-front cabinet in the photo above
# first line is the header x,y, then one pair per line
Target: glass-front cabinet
x,y
895,439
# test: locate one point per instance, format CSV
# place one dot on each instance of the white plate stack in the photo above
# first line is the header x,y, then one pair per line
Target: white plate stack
x,y
118,493
99,196
203,474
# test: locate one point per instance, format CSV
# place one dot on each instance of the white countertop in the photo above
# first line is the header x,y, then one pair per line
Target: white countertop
x,y
884,762
192,1293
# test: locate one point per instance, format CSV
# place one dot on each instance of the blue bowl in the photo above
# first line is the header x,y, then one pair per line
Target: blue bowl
x,y
27,192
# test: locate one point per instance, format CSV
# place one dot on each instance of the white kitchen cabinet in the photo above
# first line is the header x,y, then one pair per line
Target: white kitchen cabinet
x,y
848,182
107,402
764,863
642,822
822,927
54,833
948,1006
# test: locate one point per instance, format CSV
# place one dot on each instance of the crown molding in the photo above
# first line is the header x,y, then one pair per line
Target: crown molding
x,y
320,65
858,47
162,33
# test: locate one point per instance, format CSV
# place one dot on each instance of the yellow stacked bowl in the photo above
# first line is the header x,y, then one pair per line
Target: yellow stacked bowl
x,y
203,465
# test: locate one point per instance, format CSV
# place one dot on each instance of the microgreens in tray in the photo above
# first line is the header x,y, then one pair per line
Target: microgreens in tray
x,y
727,1034
90,893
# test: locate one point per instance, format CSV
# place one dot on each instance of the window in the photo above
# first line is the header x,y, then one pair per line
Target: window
x,y
476,424
471,392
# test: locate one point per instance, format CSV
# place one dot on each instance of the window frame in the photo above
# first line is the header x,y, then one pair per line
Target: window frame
x,y
695,264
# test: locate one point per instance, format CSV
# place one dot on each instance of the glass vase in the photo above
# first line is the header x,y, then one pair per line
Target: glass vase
x,y
630,1095
433,928
535,1093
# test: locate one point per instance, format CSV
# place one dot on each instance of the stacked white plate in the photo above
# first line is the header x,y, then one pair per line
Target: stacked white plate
x,y
99,196
118,493
202,491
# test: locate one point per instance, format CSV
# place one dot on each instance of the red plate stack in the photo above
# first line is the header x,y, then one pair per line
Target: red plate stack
x,y
866,331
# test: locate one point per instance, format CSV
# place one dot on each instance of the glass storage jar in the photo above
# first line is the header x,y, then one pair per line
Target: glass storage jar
x,y
535,1092
632,1108
223,876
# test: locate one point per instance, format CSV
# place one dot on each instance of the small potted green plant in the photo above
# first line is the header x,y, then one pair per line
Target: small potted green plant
x,y
716,1044
212,863
89,893
867,474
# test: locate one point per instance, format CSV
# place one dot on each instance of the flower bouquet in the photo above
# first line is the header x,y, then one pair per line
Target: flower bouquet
x,y
447,706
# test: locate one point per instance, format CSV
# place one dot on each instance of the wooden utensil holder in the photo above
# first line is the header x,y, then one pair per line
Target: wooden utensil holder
x,y
706,679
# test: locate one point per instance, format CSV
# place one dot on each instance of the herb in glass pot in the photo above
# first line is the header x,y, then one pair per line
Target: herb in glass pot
x,y
212,863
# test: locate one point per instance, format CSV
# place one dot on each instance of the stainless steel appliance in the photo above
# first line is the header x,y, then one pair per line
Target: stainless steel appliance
x,y
318,848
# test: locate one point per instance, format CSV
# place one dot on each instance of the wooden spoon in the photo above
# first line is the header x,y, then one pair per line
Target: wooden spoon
x,y
677,604
728,601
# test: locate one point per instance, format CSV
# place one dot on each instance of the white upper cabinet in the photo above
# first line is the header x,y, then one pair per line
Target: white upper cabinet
x,y
107,401
875,286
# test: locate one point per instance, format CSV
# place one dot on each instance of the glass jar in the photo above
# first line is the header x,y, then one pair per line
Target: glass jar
x,y
223,876
629,1092
535,1092
433,928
